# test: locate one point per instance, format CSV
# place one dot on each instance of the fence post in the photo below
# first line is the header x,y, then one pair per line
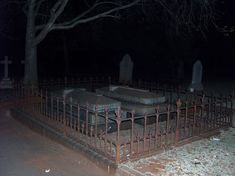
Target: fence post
x,y
71,114
167,124
132,132
186,118
46,104
87,114
194,116
178,103
78,119
231,113
96,131
64,116
118,121
145,127
157,126
203,122
106,127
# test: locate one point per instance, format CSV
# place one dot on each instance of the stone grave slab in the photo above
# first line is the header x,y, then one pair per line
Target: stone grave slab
x,y
96,103
140,101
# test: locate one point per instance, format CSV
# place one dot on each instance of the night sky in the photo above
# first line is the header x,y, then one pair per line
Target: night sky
x,y
96,48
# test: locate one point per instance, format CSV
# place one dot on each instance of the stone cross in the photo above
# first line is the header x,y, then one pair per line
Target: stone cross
x,y
6,62
196,83
126,69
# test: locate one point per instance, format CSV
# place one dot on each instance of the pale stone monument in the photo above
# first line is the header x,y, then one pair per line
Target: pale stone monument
x,y
126,69
196,83
6,82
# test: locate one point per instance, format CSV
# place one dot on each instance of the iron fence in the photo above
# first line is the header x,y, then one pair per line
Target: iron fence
x,y
120,138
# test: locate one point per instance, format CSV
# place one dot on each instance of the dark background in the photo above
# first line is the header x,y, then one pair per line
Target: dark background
x,y
96,48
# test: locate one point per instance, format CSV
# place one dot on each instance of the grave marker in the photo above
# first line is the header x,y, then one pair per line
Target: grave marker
x,y
126,69
6,82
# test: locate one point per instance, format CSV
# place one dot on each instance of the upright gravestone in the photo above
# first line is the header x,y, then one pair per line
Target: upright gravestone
x,y
6,82
196,83
126,69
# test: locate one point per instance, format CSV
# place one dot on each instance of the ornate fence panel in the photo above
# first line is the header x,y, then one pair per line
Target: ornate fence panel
x,y
120,138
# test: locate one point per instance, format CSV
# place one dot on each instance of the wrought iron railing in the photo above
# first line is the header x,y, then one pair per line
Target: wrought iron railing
x,y
118,138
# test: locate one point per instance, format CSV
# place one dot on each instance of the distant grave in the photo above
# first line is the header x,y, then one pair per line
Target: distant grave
x,y
196,84
6,82
126,69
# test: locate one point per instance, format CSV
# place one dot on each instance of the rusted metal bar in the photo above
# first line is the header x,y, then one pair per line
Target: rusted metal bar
x,y
71,114
138,144
194,117
52,108
144,132
64,116
201,118
46,104
57,110
78,119
87,114
83,126
118,148
101,136
186,119
178,103
91,134
150,140
156,127
132,132
167,124
231,110
106,127
96,130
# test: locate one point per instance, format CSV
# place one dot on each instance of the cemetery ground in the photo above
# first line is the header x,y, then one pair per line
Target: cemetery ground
x,y
24,152
27,153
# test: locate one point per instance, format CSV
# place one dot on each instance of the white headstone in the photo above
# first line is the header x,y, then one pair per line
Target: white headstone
x,y
196,83
126,69
6,82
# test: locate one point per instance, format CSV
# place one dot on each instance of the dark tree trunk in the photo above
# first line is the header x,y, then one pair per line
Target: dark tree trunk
x,y
30,77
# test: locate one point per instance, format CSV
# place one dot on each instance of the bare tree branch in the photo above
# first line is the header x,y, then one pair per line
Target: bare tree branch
x,y
79,20
57,9
91,8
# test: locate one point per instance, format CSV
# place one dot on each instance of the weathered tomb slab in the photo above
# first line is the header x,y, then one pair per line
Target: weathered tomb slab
x,y
138,100
92,102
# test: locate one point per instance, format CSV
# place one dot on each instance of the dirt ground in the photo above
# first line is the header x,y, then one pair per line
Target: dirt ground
x,y
26,153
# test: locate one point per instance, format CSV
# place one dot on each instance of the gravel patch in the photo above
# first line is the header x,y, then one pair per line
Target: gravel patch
x,y
212,156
